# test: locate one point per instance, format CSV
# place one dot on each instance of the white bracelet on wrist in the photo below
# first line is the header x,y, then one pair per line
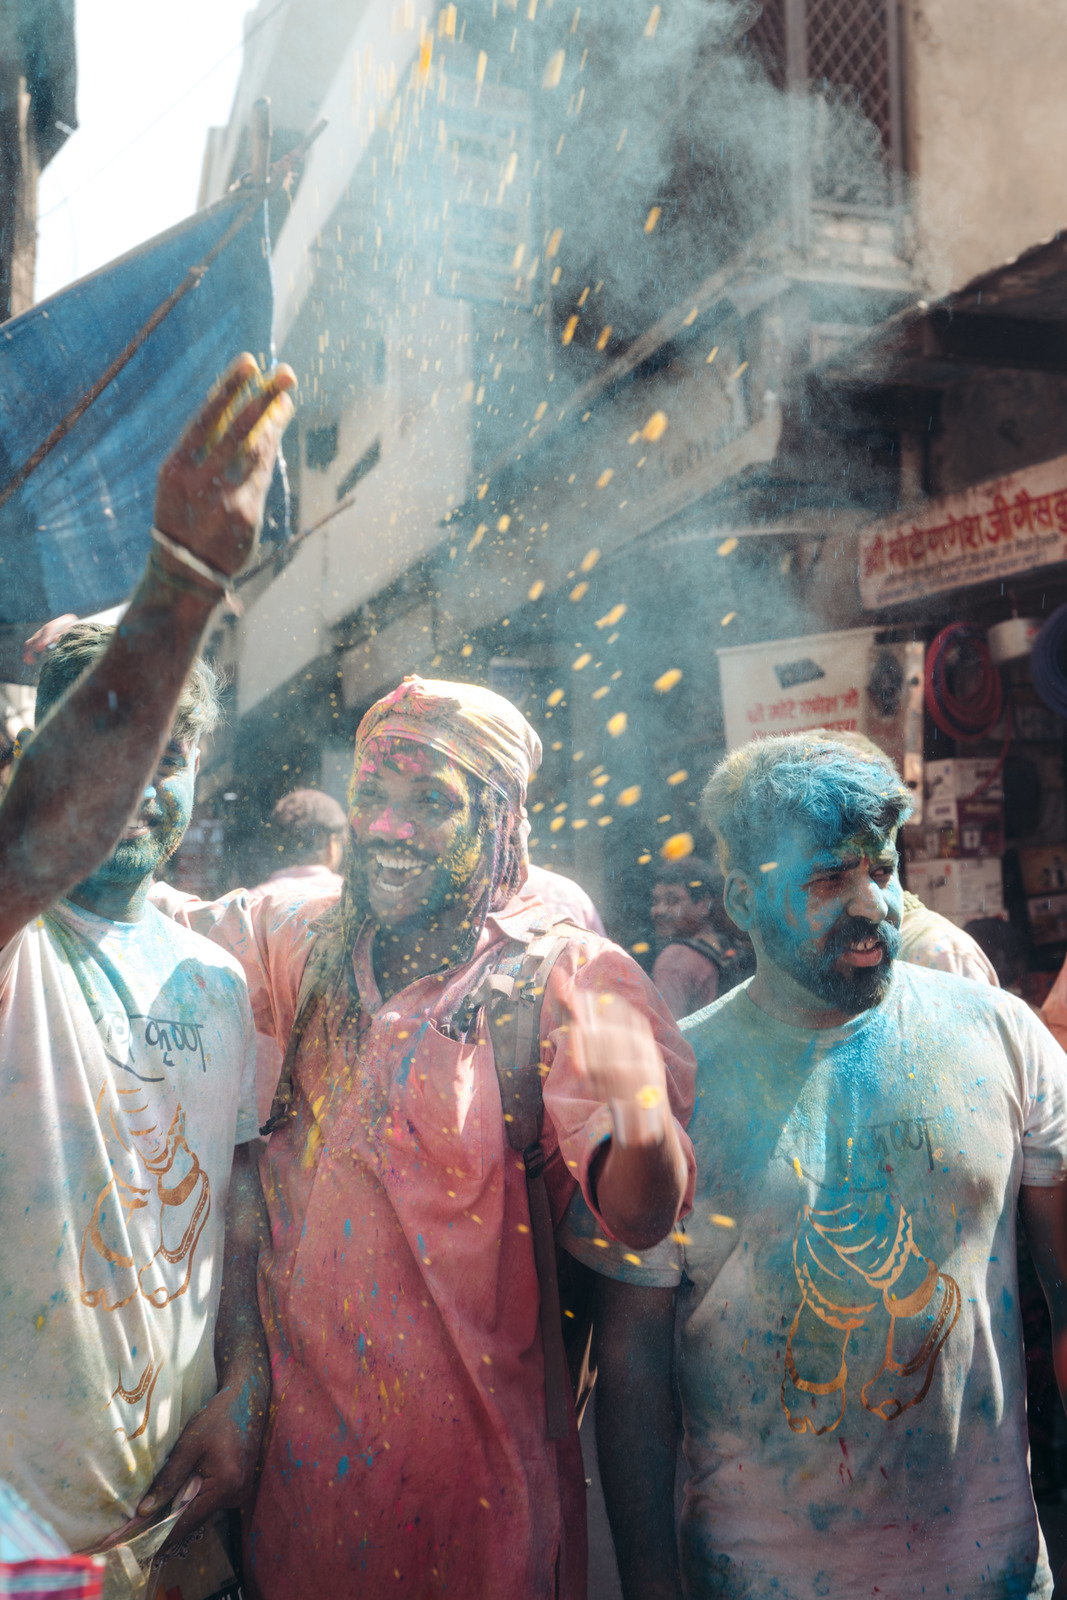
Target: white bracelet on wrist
x,y
213,575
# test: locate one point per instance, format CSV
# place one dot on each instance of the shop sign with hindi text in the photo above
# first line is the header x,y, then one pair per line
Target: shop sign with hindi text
x,y
996,529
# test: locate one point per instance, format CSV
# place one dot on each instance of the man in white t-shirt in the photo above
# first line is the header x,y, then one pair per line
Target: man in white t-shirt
x,y
850,1357
133,1367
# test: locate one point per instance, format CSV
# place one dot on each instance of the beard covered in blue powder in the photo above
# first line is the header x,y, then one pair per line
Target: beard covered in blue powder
x,y
816,966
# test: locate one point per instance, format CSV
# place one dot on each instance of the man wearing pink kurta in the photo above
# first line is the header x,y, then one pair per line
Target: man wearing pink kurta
x,y
407,1452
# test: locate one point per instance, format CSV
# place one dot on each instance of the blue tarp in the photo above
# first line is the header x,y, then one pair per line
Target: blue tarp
x,y
74,537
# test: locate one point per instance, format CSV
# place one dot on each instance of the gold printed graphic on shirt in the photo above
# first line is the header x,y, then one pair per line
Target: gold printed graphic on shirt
x,y
141,1238
142,1390
177,1194
837,1255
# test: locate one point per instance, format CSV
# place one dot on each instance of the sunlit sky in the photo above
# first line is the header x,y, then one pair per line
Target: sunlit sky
x,y
152,79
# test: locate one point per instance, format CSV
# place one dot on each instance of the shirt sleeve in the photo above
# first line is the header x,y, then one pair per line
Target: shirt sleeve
x,y
1044,1066
687,980
583,1123
583,1238
269,934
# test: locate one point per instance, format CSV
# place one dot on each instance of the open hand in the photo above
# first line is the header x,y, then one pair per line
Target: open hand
x,y
617,1053
212,489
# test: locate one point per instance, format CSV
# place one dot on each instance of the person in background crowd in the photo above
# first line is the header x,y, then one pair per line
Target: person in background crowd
x,y
133,1366
927,939
850,1352
307,841
565,900
408,1452
697,960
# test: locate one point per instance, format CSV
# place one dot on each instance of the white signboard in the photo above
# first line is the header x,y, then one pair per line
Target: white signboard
x,y
829,680
1004,526
787,685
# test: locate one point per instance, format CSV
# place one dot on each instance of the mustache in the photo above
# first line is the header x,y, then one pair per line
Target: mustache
x,y
848,930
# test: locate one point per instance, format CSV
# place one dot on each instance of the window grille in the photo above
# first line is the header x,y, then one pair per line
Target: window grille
x,y
767,39
847,51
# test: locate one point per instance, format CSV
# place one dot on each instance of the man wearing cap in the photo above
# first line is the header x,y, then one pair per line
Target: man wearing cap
x,y
408,1451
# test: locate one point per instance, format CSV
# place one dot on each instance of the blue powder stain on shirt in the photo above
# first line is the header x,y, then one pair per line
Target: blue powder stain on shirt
x,y
422,1247
401,1076
342,1467
348,1227
1007,1299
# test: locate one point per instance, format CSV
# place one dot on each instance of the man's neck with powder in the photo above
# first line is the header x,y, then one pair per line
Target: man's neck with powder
x,y
117,902
403,955
782,998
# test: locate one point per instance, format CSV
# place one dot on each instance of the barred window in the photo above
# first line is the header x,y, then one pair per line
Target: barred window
x,y
845,51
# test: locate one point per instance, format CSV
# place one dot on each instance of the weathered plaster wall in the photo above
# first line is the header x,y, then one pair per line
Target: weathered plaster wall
x,y
987,130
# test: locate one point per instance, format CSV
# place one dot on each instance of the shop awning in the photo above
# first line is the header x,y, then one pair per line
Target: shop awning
x,y
1014,316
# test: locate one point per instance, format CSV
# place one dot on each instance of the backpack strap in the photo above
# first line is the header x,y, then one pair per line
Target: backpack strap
x,y
513,1015
718,958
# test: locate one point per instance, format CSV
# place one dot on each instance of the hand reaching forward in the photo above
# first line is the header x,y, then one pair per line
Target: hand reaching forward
x,y
212,488
615,1050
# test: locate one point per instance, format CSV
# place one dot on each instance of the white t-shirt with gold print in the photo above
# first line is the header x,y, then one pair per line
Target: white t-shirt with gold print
x,y
127,1075
850,1355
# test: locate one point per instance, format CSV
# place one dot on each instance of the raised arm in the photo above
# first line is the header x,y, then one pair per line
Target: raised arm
x,y
89,762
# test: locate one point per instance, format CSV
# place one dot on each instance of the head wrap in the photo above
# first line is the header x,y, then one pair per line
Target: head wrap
x,y
485,735
477,728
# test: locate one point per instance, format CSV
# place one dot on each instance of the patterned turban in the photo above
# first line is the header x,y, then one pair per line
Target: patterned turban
x,y
478,729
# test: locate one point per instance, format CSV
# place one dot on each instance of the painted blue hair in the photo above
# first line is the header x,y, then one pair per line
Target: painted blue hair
x,y
830,789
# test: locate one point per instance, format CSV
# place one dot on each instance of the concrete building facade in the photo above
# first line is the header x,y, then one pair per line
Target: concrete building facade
x,y
573,432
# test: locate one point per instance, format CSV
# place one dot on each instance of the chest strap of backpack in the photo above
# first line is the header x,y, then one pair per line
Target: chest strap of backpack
x,y
512,1001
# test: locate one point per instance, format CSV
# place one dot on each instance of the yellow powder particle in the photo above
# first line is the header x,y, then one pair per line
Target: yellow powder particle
x,y
677,847
611,617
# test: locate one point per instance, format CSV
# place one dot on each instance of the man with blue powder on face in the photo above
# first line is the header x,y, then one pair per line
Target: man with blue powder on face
x,y
133,1368
849,1350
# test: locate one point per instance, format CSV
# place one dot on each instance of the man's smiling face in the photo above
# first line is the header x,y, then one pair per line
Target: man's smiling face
x,y
158,825
829,916
415,831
